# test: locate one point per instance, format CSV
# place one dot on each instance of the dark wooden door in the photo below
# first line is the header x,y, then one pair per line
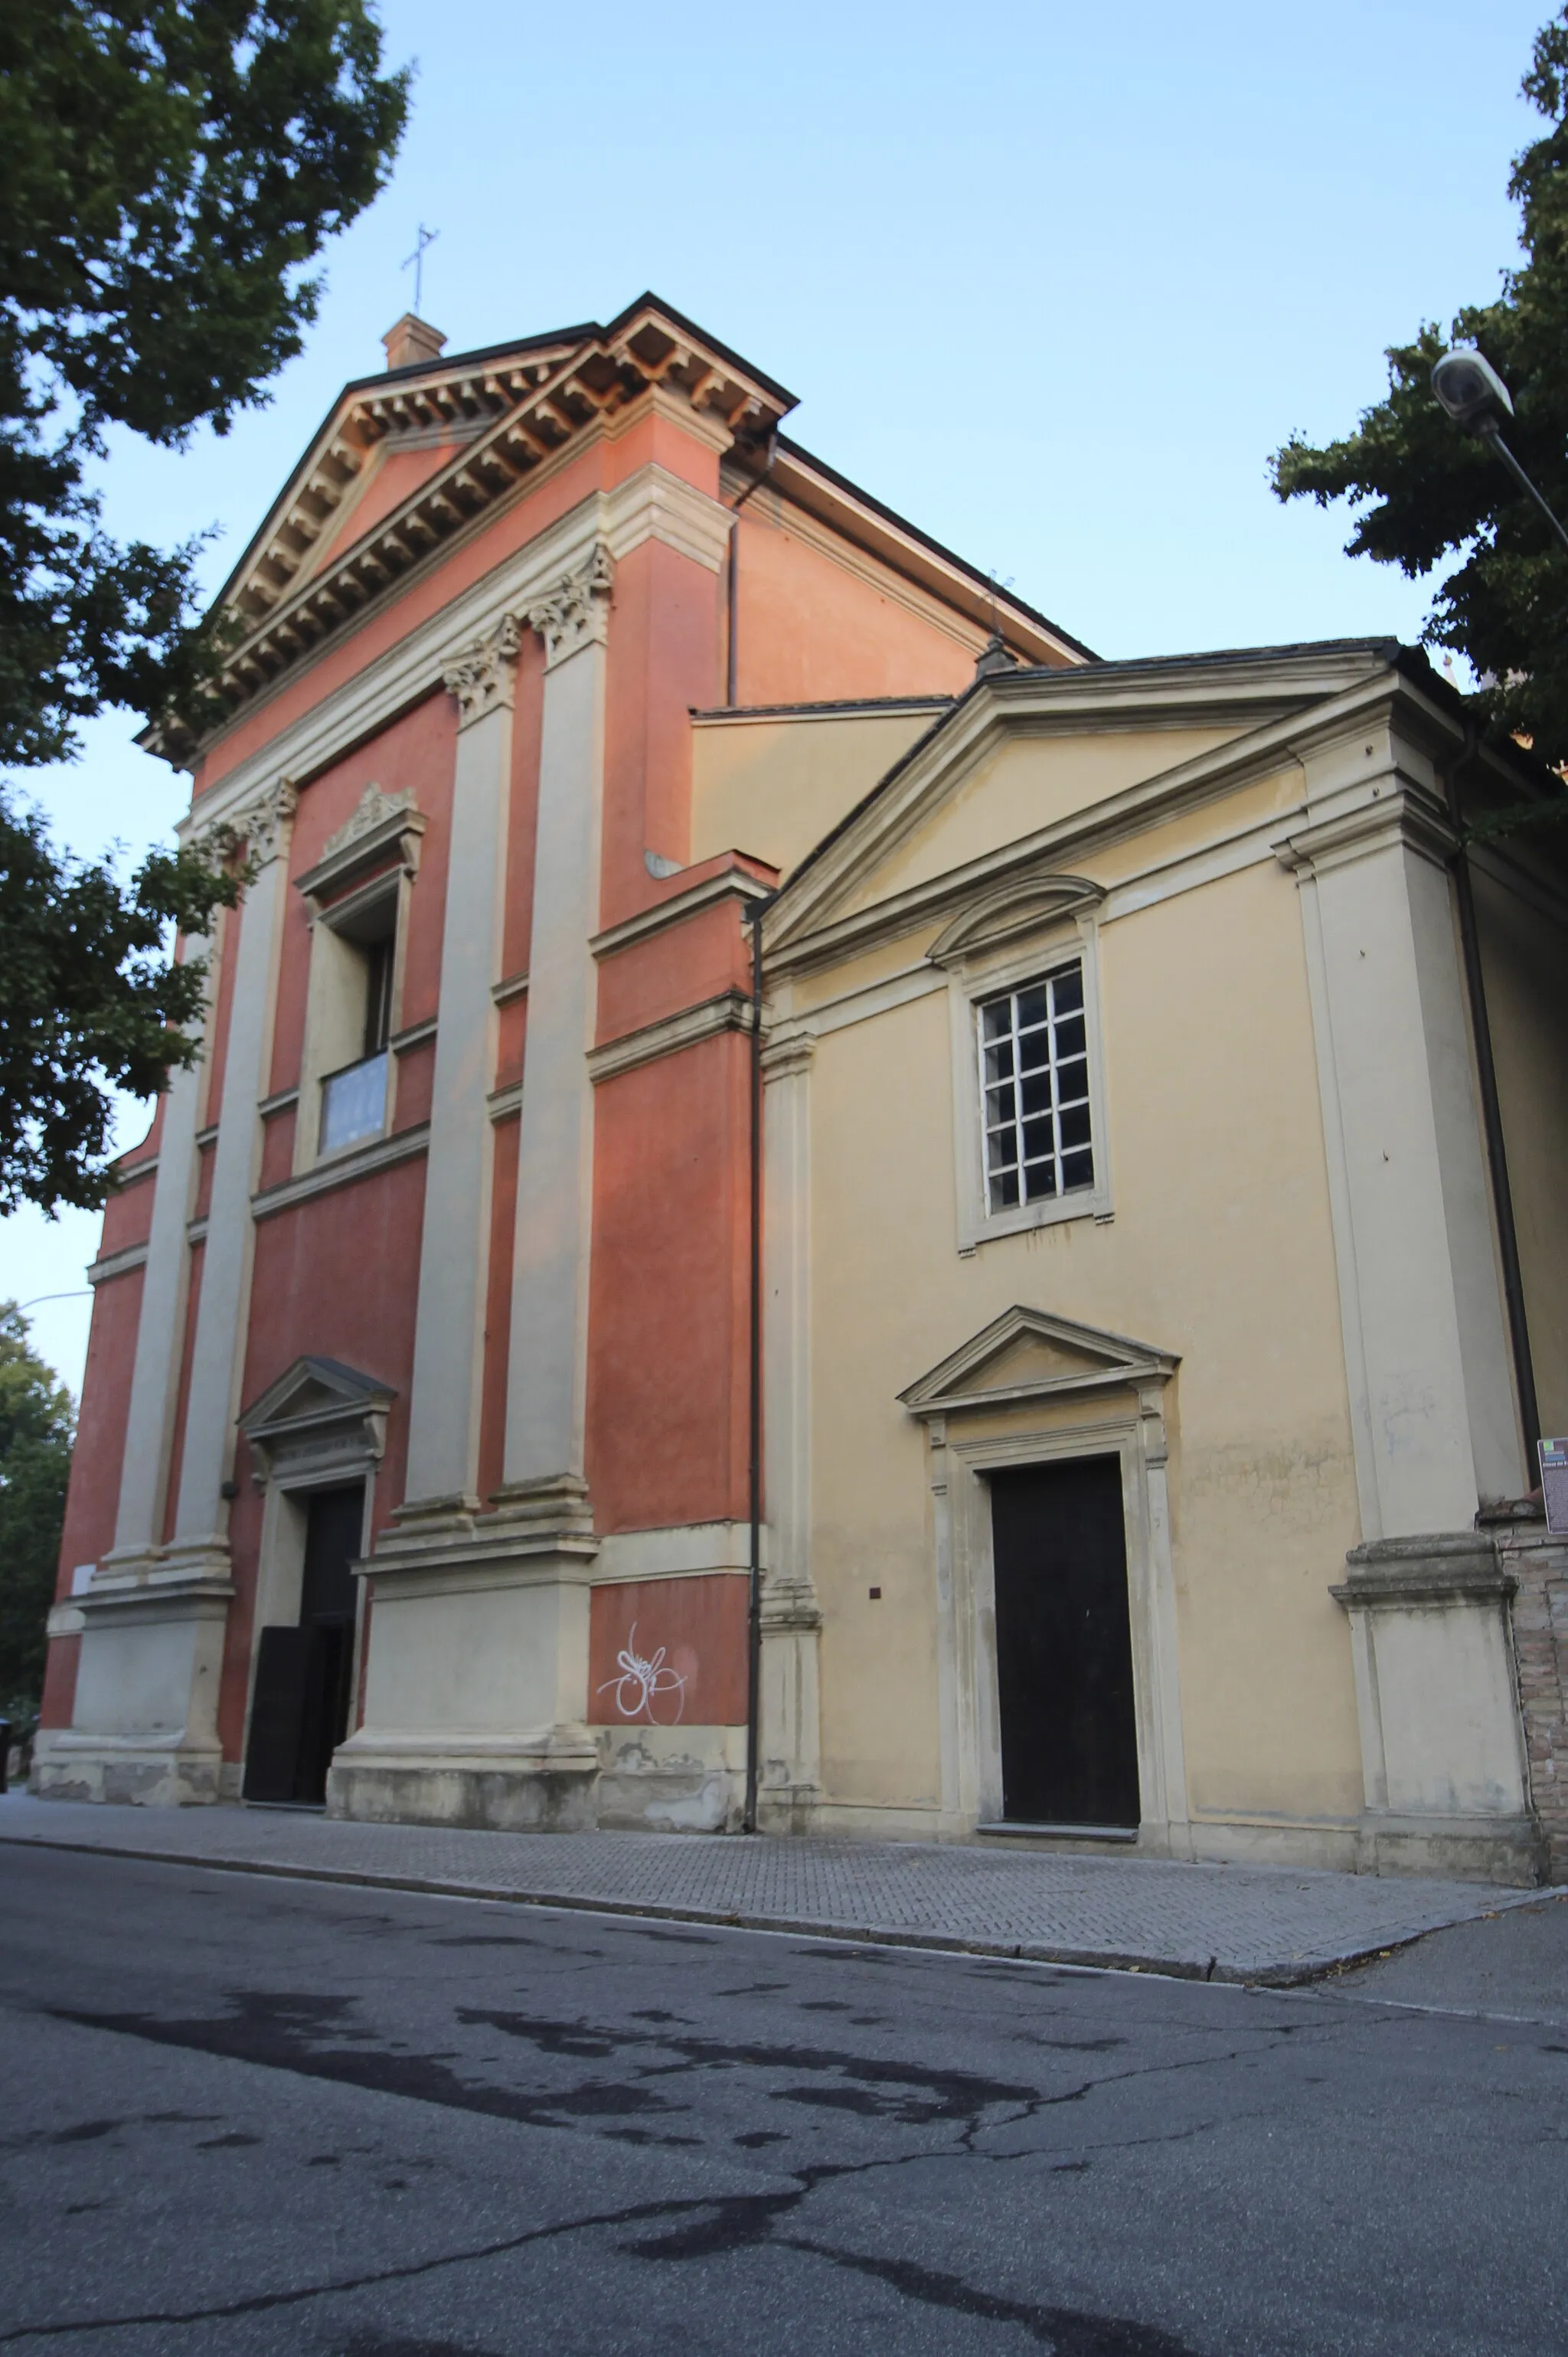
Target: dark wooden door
x,y
1064,1645
277,1709
299,1710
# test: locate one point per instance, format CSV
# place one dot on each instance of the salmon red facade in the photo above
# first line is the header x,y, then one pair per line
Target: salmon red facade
x,y
453,1215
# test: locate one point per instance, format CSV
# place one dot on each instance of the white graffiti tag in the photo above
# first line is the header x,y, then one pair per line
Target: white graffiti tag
x,y
644,1680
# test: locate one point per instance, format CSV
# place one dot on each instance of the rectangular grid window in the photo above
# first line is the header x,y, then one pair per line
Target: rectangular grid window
x,y
1034,1077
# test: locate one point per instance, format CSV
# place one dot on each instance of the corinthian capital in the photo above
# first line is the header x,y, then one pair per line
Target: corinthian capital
x,y
258,823
575,613
481,678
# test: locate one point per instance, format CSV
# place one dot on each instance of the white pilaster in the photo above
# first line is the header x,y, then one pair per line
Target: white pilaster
x,y
1425,1339
217,1353
145,1724
448,1349
155,1374
475,1701
790,1738
547,1368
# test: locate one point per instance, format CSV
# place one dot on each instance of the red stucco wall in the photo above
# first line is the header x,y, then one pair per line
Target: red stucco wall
x,y
667,1348
667,1652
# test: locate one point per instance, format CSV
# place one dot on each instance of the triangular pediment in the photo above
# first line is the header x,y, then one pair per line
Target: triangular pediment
x,y
451,435
1033,767
312,1392
1029,1354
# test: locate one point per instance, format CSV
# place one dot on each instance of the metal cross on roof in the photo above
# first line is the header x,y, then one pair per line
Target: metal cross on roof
x,y
416,262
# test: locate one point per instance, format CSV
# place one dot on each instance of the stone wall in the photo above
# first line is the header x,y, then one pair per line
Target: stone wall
x,y
1539,1564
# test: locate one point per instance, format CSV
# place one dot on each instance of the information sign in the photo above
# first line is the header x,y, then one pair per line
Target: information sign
x,y
1554,1484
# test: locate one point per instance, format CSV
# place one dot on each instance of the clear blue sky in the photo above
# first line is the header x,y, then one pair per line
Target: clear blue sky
x,y
1052,281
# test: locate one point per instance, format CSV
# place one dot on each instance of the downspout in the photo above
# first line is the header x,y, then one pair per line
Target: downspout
x,y
1491,1115
754,1459
732,581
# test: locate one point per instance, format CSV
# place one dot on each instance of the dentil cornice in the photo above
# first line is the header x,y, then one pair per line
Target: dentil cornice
x,y
650,505
514,417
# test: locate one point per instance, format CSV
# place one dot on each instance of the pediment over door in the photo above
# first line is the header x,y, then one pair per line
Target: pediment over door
x,y
319,1415
1027,1354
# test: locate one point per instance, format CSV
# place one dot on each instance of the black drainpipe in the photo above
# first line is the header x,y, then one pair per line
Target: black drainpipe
x,y
1491,1117
732,580
753,1466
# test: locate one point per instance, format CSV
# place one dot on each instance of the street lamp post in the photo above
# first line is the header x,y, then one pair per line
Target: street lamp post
x,y
1473,395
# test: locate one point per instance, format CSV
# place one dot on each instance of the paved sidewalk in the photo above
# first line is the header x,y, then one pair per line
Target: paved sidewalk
x,y
1269,1924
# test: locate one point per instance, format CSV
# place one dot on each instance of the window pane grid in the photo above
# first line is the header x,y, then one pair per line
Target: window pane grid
x,y
1034,1079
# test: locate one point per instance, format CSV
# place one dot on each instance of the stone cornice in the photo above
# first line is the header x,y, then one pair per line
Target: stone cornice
x,y
729,1011
788,1059
1436,1567
1018,907
1076,1358
118,1264
651,505
381,823
730,884
1295,705
357,1163
1368,827
516,419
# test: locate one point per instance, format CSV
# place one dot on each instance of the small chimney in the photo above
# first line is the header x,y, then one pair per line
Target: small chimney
x,y
412,341
994,657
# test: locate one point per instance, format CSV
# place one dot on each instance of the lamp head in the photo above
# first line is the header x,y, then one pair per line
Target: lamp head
x,y
1471,391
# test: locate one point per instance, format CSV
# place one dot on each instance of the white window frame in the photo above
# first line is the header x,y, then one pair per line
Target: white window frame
x,y
381,828
333,1009
969,985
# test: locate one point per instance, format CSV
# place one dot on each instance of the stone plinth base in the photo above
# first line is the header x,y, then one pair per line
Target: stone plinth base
x,y
671,1780
788,1808
71,1766
476,1697
144,1727
542,1786
1443,1754
1508,1850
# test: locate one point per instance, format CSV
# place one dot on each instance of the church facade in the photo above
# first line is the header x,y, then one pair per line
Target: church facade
x,y
802,1203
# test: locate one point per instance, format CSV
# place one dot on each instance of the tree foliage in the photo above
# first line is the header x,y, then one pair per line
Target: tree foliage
x,y
89,1000
35,1459
1425,491
172,168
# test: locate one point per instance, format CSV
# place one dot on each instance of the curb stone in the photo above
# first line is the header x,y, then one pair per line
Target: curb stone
x,y
1296,1974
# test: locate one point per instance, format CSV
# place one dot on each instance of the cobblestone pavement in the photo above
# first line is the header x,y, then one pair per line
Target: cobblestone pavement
x,y
1220,1923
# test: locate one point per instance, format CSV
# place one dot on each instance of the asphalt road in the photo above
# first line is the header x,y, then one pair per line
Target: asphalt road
x,y
245,2115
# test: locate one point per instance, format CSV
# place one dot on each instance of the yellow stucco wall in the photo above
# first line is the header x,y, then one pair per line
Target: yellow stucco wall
x,y
773,788
1026,785
1219,1250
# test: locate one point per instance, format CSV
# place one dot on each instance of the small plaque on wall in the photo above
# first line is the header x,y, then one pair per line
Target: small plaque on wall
x,y
1554,1484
